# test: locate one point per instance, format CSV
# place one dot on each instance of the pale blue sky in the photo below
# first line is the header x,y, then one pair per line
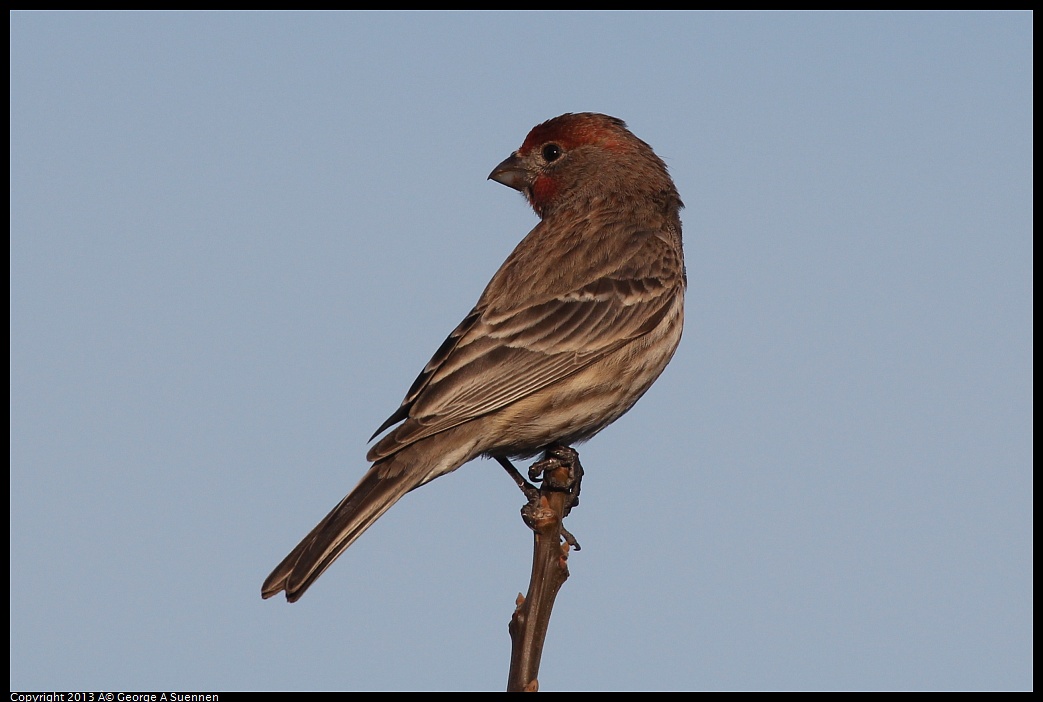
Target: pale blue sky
x,y
236,238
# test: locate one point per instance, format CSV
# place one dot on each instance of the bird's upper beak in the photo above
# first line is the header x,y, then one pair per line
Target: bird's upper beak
x,y
512,173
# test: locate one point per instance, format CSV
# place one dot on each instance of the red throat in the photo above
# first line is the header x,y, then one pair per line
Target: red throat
x,y
543,191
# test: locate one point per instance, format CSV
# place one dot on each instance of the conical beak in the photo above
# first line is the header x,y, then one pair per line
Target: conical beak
x,y
512,173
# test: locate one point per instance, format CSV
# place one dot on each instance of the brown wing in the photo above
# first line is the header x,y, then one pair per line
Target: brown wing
x,y
501,353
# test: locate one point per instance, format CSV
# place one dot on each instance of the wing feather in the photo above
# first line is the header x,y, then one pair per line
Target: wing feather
x,y
502,353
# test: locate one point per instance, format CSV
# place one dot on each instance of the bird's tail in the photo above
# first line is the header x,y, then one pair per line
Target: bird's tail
x,y
345,523
386,482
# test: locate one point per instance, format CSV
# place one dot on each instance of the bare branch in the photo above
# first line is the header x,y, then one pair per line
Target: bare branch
x,y
558,493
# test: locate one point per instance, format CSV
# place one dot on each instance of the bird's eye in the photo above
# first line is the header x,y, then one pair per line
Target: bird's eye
x,y
551,152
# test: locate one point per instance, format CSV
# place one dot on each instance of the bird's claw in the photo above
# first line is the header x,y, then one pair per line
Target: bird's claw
x,y
569,538
557,457
544,472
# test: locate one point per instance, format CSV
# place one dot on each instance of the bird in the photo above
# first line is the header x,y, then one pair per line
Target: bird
x,y
573,328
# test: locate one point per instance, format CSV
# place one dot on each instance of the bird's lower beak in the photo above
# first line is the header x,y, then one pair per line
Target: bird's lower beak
x,y
512,173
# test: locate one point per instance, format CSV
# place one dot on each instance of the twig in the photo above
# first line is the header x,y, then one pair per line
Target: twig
x,y
558,493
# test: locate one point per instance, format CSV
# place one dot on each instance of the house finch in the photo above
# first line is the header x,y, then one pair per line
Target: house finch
x,y
576,325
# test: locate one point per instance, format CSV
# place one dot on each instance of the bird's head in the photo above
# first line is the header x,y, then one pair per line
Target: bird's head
x,y
579,157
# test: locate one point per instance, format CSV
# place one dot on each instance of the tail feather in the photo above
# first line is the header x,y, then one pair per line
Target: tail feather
x,y
386,482
371,498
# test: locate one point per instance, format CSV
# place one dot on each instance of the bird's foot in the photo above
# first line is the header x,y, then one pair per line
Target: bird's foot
x,y
545,471
558,471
